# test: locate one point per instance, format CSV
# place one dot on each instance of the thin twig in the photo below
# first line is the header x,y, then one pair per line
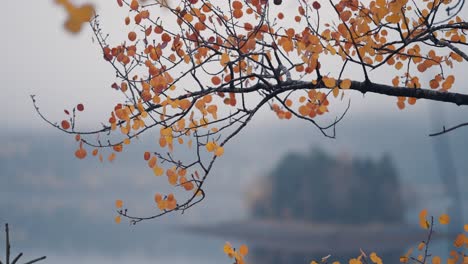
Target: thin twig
x,y
36,260
17,258
7,244
444,130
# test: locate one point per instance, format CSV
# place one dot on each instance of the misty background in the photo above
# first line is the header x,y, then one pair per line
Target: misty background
x,y
63,207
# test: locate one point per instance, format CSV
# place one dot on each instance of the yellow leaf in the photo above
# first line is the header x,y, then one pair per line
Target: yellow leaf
x,y
210,146
158,171
444,219
376,259
436,260
323,108
465,227
117,219
224,59
228,249
336,92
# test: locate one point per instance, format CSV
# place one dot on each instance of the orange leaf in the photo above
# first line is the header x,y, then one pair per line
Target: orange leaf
x,y
444,219
147,155
134,5
152,162
329,82
219,151
216,80
80,153
345,84
422,219
132,36
65,124
118,203
243,250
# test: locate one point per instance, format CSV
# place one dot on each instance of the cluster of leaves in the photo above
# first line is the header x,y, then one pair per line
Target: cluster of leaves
x,y
460,243
457,255
202,73
424,256
237,255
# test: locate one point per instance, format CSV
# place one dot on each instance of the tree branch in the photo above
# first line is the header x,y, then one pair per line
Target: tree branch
x,y
7,244
445,43
36,260
444,130
17,258
440,96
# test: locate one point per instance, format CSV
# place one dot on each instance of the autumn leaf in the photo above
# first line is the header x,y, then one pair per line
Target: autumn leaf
x,y
423,223
243,250
118,203
65,124
444,219
77,15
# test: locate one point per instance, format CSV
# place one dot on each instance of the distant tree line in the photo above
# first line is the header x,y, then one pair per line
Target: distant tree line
x,y
321,188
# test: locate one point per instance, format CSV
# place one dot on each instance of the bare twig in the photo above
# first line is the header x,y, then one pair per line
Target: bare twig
x,y
444,130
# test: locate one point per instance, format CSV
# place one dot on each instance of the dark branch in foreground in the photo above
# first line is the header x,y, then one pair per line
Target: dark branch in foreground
x,y
8,246
365,87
